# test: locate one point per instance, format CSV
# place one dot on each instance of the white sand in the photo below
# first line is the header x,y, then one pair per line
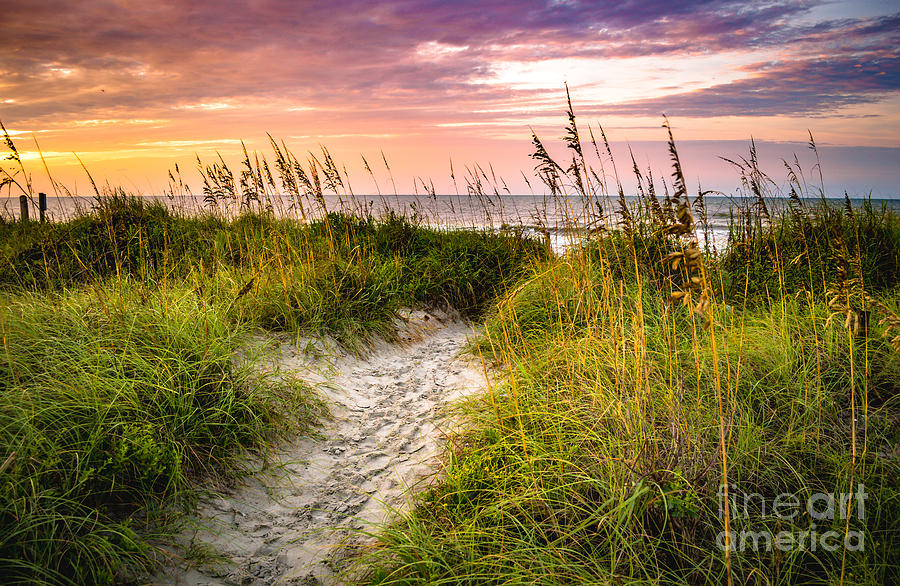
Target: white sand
x,y
297,523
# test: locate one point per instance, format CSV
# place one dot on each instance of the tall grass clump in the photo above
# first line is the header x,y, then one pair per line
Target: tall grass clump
x,y
112,403
655,398
787,242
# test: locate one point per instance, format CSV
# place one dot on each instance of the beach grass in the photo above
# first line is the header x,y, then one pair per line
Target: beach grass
x,y
597,457
113,403
659,401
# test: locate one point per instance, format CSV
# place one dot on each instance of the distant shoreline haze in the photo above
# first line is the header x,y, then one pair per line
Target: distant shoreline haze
x,y
858,170
529,212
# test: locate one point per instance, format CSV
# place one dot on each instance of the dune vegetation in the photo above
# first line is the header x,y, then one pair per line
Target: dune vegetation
x,y
660,398
647,382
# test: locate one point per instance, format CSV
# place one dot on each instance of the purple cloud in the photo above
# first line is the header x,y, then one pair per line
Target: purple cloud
x,y
67,61
801,88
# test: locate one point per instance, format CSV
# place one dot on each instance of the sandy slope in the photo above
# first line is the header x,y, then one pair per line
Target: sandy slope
x,y
287,526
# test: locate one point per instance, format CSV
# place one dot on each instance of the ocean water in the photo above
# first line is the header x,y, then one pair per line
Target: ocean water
x,y
534,213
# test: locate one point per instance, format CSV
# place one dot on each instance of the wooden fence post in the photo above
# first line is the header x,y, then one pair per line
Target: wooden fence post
x,y
42,206
23,208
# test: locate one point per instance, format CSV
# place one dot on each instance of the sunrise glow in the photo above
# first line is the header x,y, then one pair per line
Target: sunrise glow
x,y
134,88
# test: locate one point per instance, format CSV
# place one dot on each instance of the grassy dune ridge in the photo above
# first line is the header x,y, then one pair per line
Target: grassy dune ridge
x,y
648,381
638,370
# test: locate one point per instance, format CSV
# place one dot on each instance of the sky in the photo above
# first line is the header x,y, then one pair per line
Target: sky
x,y
135,87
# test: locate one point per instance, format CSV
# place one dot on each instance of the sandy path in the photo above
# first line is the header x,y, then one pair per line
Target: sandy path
x,y
287,526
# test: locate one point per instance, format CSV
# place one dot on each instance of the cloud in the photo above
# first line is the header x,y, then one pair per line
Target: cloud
x,y
812,87
430,62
